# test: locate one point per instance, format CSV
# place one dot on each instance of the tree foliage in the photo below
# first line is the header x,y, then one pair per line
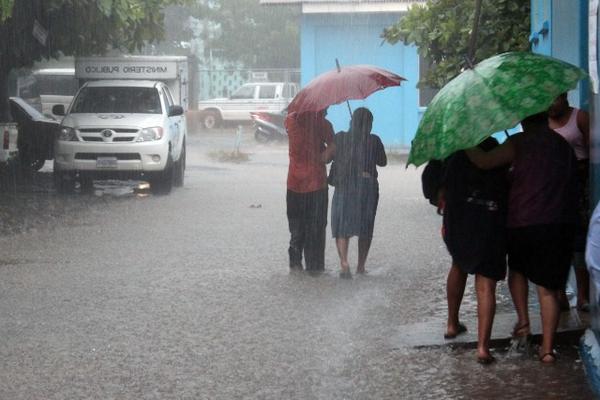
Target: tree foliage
x,y
254,34
441,30
74,27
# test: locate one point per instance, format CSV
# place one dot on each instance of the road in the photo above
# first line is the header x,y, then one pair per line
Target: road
x,y
120,294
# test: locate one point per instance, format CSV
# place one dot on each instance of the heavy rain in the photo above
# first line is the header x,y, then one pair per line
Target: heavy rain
x,y
171,226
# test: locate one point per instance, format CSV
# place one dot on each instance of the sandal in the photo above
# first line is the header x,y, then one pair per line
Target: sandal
x,y
520,330
552,359
486,360
461,329
585,307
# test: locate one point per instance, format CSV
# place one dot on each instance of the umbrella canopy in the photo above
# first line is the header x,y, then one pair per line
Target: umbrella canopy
x,y
495,95
338,85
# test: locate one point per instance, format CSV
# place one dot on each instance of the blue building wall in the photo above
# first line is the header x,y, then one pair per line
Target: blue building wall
x,y
568,40
355,39
558,29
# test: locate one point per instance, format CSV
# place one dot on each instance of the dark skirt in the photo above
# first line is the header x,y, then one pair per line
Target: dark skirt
x,y
353,209
475,236
542,253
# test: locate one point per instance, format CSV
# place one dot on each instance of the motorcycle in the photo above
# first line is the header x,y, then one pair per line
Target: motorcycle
x,y
269,126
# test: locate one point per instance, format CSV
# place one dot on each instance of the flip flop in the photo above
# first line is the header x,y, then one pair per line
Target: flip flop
x,y
521,330
461,329
487,360
584,307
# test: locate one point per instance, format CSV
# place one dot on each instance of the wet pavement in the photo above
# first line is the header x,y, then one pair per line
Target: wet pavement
x,y
120,294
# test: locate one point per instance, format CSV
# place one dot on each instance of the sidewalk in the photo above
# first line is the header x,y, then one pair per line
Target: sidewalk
x,y
431,333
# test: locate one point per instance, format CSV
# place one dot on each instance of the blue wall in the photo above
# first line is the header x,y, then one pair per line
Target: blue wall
x,y
566,37
355,39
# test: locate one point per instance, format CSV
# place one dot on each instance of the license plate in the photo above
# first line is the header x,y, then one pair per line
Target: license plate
x,y
106,162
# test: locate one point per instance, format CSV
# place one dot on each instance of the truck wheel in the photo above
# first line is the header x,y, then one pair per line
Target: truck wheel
x,y
211,119
162,182
63,183
180,168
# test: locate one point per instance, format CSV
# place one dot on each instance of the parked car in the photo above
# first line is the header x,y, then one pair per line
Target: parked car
x,y
251,97
36,134
121,129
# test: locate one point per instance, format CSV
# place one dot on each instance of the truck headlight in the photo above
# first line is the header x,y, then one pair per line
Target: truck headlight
x,y
67,134
148,134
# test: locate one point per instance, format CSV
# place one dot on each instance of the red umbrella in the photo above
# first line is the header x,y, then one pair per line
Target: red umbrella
x,y
342,84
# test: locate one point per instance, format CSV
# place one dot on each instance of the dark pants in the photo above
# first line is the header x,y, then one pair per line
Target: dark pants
x,y
307,218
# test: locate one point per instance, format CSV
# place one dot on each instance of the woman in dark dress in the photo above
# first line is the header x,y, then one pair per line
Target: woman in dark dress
x,y
475,203
354,205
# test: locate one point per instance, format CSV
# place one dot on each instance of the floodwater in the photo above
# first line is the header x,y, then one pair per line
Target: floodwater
x,y
121,294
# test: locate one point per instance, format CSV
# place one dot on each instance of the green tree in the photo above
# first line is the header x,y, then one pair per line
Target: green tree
x,y
33,30
441,29
257,36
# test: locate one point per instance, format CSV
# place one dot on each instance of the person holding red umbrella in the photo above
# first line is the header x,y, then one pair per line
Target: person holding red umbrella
x,y
309,134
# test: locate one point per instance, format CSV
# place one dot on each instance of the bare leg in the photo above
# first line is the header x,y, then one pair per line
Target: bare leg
x,y
342,248
486,309
563,300
550,312
364,244
517,283
455,289
583,286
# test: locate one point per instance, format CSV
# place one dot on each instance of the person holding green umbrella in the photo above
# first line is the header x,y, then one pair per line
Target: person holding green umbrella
x,y
541,219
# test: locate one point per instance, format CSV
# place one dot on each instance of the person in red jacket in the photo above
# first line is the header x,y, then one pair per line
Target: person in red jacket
x,y
309,134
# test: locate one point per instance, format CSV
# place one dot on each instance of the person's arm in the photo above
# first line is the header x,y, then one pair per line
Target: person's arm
x,y
329,139
583,123
294,138
329,153
500,155
381,157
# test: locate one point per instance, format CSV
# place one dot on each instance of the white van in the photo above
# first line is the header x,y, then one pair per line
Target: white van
x,y
47,87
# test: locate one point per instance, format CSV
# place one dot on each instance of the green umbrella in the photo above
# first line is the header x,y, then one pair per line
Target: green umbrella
x,y
493,96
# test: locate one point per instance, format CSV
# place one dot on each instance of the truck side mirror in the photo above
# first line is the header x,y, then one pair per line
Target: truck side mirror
x,y
175,111
58,109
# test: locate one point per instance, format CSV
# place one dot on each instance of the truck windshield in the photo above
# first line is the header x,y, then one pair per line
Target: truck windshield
x,y
117,100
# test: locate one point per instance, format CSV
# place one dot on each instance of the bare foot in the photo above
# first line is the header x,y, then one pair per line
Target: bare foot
x,y
454,331
485,357
548,358
361,270
345,267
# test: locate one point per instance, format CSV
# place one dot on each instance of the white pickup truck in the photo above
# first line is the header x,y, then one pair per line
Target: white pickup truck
x,y
119,129
251,97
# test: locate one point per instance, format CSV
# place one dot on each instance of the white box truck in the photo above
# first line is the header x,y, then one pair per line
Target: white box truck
x,y
174,71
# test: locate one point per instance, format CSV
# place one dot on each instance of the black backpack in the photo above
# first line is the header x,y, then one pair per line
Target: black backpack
x,y
431,180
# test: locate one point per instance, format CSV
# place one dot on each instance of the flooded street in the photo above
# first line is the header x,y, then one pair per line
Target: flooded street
x,y
121,294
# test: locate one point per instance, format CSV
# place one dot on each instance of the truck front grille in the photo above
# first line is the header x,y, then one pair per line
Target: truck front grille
x,y
118,156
